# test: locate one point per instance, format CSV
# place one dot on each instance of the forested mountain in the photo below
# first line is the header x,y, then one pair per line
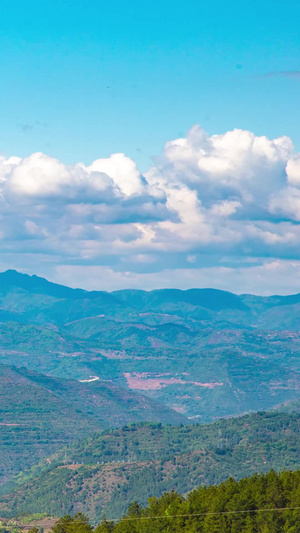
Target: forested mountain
x,y
112,469
267,503
202,352
40,414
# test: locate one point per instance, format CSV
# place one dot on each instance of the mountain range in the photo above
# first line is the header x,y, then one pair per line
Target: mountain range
x,y
203,353
76,366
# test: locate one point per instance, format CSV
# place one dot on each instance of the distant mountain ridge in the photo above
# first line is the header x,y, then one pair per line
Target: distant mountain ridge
x,y
208,298
12,278
212,299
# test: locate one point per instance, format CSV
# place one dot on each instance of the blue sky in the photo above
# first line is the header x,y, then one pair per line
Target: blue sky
x,y
81,81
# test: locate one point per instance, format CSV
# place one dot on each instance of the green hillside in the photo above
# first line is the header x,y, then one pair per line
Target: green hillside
x,y
112,469
40,414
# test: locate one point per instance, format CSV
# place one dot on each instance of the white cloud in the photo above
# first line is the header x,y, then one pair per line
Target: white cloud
x,y
38,175
225,208
41,176
122,170
236,162
293,170
232,195
286,202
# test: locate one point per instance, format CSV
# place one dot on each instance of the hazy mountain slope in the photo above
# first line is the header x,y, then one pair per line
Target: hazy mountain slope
x,y
212,299
202,373
39,414
36,299
160,458
199,351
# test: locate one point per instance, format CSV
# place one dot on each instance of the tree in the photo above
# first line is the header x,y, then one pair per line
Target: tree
x,y
77,524
105,527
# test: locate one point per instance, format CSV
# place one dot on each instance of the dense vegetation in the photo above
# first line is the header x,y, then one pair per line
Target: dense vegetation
x,y
259,492
109,471
40,414
267,503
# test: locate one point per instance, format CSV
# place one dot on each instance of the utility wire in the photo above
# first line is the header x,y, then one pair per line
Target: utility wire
x,y
136,518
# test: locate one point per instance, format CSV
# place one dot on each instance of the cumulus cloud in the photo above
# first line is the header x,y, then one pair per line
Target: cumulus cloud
x,y
123,172
293,170
235,165
40,176
233,195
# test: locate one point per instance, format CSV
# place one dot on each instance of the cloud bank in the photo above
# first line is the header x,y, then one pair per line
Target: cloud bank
x,y
220,211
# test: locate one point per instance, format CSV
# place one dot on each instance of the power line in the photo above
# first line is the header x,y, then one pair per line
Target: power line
x,y
136,518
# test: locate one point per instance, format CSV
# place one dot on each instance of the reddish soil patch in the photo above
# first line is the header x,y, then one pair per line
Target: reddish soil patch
x,y
179,408
45,523
142,382
136,381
